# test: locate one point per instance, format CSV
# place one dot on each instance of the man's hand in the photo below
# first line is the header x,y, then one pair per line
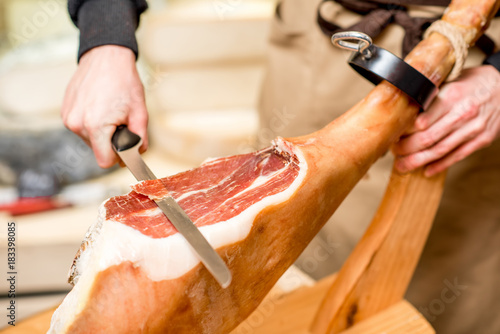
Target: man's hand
x,y
105,92
464,118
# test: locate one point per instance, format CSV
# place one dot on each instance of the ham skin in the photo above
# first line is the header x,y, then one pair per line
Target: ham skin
x,y
135,274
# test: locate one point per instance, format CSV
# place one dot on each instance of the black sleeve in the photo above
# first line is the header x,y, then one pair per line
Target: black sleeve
x,y
493,60
103,22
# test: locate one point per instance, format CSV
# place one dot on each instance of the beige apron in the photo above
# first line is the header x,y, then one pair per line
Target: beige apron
x,y
308,84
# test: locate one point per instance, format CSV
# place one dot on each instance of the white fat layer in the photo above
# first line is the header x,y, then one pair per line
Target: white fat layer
x,y
162,258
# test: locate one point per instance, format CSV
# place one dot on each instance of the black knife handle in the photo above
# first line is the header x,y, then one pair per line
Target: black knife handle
x,y
124,139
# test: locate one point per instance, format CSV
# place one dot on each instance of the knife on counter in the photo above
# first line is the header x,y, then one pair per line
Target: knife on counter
x,y
126,144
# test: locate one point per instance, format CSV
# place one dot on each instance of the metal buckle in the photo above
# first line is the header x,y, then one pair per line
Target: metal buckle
x,y
344,40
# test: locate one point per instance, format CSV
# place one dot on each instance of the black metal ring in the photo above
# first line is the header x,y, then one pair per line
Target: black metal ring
x,y
384,65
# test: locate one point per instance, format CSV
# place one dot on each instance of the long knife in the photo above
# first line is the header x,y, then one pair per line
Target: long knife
x,y
126,144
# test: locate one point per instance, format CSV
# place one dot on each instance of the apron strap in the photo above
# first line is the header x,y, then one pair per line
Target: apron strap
x,y
380,13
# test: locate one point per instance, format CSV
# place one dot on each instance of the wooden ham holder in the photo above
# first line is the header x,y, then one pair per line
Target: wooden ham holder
x,y
367,295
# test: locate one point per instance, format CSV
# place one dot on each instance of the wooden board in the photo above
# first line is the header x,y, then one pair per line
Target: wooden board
x,y
293,314
401,318
36,324
290,313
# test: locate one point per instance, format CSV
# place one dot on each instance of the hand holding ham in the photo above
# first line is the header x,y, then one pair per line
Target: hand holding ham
x,y
464,118
105,91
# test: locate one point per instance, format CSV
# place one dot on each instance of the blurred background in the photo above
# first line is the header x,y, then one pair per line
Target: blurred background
x,y
201,61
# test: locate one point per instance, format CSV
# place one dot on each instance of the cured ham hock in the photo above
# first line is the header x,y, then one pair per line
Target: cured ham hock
x,y
135,274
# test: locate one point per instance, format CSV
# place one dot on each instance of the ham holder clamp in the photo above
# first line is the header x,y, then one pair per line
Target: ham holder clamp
x,y
259,211
377,64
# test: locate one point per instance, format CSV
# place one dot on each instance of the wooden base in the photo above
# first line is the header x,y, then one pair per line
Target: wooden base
x,y
37,324
294,313
397,319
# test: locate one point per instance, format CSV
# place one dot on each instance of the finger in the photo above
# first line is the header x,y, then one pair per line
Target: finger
x,y
433,113
453,120
139,125
457,155
462,135
138,121
72,121
100,141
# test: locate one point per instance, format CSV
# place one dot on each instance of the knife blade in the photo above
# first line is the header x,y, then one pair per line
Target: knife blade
x,y
126,144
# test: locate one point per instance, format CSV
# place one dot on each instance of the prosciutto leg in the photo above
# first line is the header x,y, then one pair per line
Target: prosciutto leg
x,y
135,274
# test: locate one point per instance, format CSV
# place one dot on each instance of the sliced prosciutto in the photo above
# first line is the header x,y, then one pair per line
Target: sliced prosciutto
x,y
135,274
217,191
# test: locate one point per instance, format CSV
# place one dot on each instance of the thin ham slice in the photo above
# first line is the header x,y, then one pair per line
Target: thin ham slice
x,y
216,191
135,274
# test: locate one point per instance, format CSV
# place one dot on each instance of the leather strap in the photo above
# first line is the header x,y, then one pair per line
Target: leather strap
x,y
377,64
383,65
